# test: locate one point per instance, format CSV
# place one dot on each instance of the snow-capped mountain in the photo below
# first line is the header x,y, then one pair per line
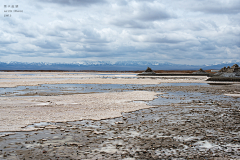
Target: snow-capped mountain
x,y
221,65
107,66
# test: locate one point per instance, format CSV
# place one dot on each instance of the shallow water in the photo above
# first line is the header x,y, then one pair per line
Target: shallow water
x,y
175,97
60,89
77,73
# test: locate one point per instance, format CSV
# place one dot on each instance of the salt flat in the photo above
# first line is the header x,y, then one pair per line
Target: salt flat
x,y
161,117
17,112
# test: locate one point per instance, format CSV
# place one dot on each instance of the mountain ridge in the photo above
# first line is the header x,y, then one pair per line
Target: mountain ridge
x,y
107,66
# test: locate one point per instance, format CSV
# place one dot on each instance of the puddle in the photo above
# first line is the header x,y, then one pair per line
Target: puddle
x,y
28,74
175,97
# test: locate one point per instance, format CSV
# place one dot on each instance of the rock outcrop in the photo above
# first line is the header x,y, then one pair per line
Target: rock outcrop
x,y
200,71
235,68
233,71
148,71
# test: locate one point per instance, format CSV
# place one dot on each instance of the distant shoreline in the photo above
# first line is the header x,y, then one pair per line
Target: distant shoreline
x,y
138,71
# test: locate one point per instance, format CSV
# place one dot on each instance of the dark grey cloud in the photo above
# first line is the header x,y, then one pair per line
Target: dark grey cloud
x,y
126,49
140,15
5,42
208,6
25,53
90,48
150,15
47,44
28,34
152,12
4,52
208,47
129,23
91,40
85,54
74,2
218,7
164,40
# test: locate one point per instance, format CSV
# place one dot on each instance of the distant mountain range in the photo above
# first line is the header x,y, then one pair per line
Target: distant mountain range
x,y
106,66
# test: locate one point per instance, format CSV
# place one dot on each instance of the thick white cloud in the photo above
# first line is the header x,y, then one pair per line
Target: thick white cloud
x,y
177,31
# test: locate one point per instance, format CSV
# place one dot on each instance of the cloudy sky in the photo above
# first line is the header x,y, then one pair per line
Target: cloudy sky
x,y
176,31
